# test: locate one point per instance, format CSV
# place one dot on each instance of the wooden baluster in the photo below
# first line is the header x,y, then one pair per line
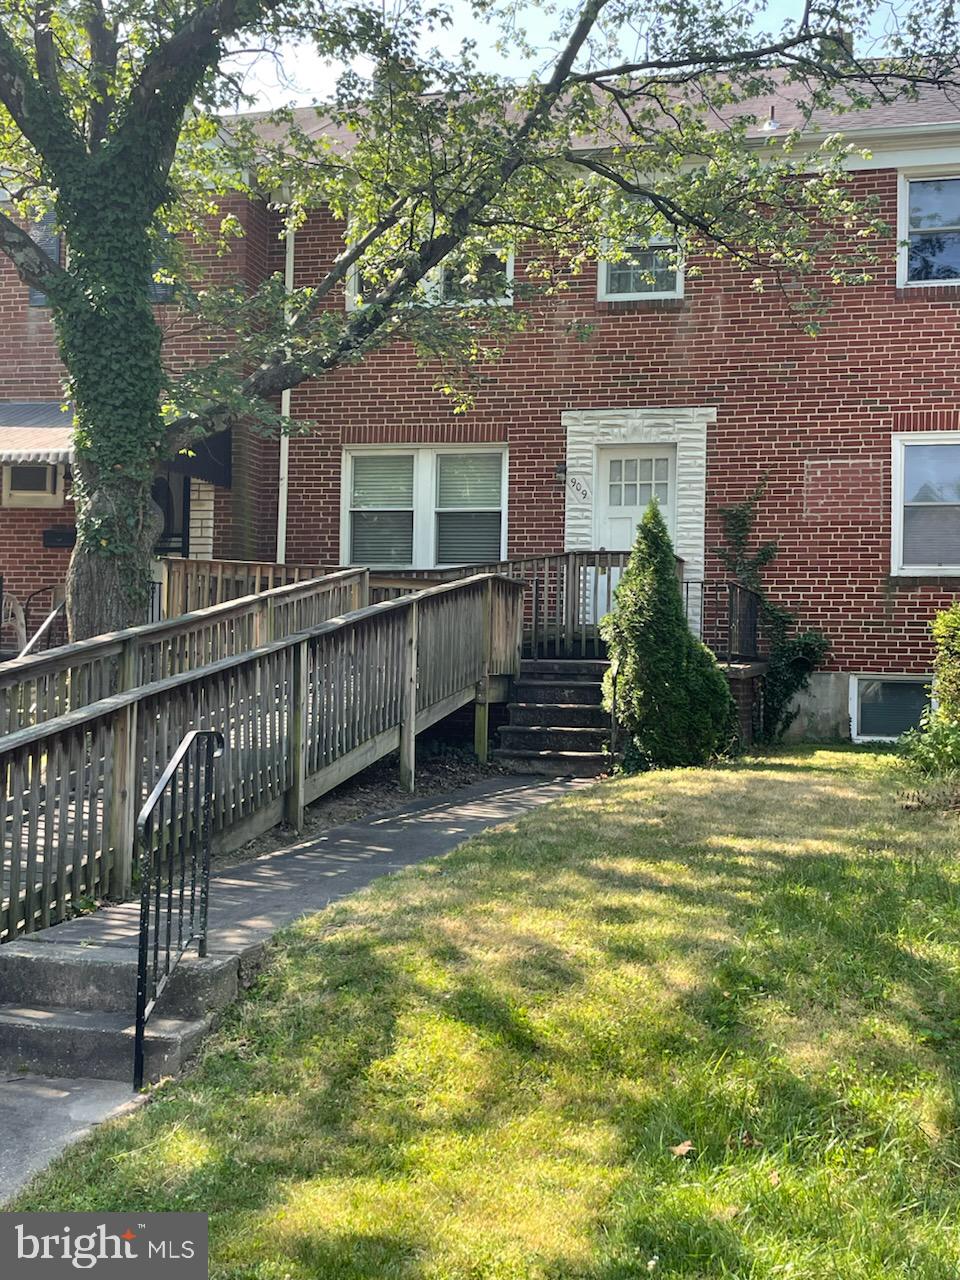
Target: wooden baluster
x,y
408,722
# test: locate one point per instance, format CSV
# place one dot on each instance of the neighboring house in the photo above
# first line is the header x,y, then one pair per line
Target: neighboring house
x,y
689,389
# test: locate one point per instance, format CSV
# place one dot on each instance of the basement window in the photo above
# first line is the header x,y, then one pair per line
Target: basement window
x,y
882,707
32,484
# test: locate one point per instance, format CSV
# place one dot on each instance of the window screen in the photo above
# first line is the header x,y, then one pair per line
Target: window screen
x,y
643,270
933,236
32,479
889,707
931,505
381,514
469,494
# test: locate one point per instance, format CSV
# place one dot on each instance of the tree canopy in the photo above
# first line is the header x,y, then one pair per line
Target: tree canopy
x,y
125,123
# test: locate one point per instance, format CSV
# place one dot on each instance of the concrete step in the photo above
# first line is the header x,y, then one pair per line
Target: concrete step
x,y
552,738
94,977
57,1041
553,764
563,714
565,668
585,692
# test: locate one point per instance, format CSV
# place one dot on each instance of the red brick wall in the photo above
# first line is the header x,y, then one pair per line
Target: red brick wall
x,y
30,369
816,415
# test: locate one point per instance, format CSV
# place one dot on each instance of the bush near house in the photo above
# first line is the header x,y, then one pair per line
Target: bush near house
x,y
671,698
933,749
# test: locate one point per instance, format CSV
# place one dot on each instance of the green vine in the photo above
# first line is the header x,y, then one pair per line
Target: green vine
x,y
792,655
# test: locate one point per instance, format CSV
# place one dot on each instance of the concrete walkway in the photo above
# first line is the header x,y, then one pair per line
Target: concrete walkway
x,y
248,904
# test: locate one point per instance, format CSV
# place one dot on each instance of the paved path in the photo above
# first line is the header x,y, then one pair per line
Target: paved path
x,y
248,904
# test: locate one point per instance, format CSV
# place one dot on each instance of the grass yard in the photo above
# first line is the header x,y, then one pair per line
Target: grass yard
x,y
698,1024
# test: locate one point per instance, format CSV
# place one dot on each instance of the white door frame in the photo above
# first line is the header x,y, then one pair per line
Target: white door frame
x,y
588,430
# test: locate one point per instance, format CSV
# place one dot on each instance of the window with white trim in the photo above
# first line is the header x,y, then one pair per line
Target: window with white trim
x,y
930,230
642,272
457,282
882,707
32,484
424,508
488,281
926,503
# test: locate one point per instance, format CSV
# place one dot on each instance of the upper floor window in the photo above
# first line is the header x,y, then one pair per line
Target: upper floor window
x,y
457,282
45,234
487,281
926,503
644,272
929,230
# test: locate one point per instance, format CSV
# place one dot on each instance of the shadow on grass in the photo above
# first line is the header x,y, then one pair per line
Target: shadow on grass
x,y
479,1074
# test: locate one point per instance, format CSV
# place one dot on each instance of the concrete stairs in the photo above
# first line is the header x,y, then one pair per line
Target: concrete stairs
x,y
68,1010
557,722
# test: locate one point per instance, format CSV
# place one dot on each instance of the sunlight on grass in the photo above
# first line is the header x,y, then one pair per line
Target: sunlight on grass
x,y
477,1070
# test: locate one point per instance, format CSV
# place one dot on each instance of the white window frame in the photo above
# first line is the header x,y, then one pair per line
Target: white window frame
x,y
906,176
424,497
30,497
658,242
432,286
900,441
505,300
853,704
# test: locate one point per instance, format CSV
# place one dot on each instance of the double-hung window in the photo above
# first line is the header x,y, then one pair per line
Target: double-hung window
x,y
929,230
926,503
424,508
641,272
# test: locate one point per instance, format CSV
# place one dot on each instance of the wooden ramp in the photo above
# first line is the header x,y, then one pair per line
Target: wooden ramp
x,y
300,713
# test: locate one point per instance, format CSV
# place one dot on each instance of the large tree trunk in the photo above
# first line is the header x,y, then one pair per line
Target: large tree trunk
x,y
107,592
110,343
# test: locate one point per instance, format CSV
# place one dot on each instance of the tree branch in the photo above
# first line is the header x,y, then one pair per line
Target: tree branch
x,y
103,58
282,373
37,112
48,66
34,266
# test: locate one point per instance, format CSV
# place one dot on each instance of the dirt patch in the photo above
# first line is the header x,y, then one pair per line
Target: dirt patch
x,y
440,768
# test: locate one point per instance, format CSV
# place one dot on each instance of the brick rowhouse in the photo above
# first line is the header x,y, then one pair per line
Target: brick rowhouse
x,y
815,416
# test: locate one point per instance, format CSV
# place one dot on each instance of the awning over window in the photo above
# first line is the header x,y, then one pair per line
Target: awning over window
x,y
35,431
39,431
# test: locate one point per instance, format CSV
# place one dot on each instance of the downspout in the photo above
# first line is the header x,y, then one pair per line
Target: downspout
x,y
284,478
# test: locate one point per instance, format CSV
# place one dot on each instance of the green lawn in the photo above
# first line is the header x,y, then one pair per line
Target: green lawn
x,y
477,1070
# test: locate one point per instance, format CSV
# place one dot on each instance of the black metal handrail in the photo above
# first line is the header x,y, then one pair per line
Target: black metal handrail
x,y
173,846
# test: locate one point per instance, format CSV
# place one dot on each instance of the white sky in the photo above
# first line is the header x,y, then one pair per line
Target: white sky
x,y
306,78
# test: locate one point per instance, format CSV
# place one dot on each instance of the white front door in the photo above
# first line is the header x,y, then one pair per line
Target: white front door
x,y
627,479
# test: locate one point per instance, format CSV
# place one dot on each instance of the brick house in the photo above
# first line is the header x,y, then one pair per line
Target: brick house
x,y
688,388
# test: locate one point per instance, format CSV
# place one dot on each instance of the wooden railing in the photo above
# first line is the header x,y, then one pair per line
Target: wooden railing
x,y
196,584
46,685
299,715
567,596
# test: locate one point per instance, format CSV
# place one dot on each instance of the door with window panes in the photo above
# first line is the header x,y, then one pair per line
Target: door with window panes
x,y
425,508
628,479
